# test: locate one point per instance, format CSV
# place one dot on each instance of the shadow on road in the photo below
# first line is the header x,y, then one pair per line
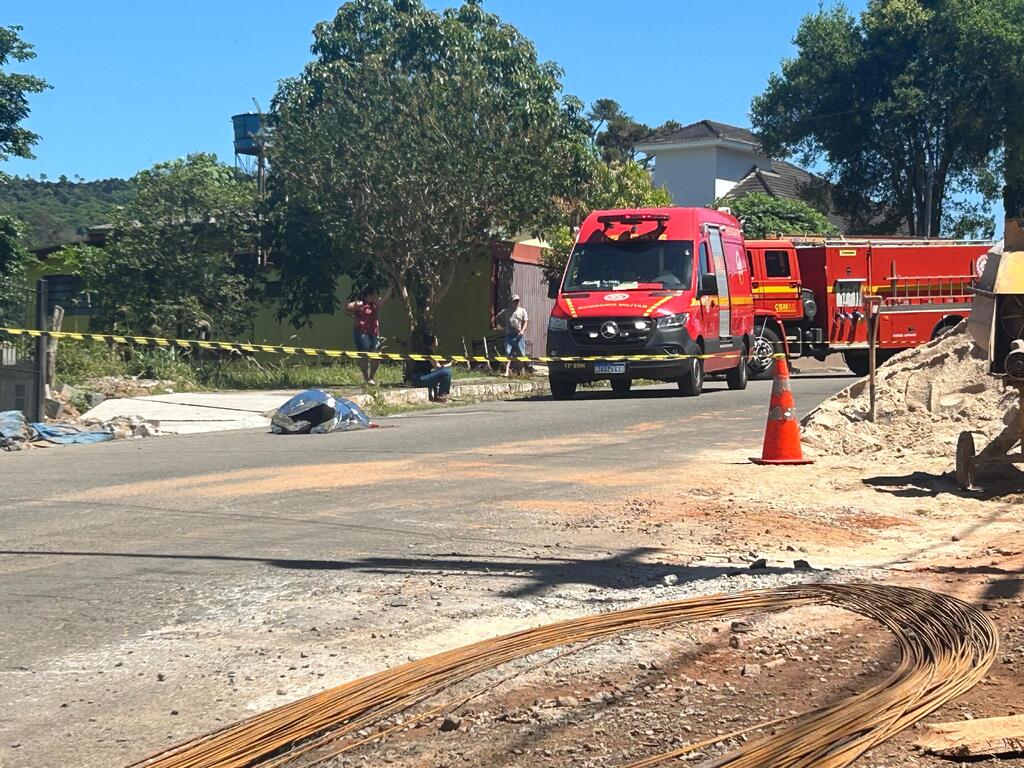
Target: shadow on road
x,y
622,570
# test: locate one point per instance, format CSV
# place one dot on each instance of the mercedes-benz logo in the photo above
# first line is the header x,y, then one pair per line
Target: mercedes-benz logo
x,y
610,330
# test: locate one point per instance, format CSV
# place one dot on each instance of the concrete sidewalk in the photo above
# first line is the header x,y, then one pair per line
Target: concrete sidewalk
x,y
194,412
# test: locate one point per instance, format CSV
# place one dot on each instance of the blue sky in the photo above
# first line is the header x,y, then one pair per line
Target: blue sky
x,y
136,82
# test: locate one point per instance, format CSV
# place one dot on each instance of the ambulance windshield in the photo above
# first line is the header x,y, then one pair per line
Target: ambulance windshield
x,y
645,265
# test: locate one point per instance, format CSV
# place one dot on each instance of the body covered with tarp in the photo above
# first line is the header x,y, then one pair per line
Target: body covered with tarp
x,y
318,412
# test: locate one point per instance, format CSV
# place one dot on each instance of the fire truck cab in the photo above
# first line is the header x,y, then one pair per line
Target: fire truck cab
x,y
653,282
811,291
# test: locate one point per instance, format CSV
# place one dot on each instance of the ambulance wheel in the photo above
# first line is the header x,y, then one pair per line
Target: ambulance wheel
x,y
562,389
965,463
692,383
762,355
737,378
621,386
857,362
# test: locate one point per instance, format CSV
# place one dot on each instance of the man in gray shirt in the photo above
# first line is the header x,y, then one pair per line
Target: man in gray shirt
x,y
516,323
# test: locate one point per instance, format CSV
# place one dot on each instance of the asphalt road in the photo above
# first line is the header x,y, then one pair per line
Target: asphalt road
x,y
107,544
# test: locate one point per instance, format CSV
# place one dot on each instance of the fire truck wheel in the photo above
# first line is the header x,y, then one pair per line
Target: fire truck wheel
x,y
857,362
562,389
692,383
737,378
762,361
965,463
945,326
621,386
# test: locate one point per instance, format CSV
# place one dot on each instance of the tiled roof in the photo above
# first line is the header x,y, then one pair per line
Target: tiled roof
x,y
704,130
783,180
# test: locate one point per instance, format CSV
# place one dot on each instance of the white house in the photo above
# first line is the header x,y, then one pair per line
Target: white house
x,y
704,161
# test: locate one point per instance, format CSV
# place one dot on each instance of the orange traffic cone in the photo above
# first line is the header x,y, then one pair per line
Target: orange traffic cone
x,y
782,433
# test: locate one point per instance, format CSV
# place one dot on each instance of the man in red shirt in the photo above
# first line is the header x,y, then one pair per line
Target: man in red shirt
x,y
366,329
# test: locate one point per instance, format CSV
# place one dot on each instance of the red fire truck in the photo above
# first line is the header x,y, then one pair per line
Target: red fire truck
x,y
811,291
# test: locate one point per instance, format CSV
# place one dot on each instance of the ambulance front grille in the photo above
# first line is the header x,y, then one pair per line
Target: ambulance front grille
x,y
618,331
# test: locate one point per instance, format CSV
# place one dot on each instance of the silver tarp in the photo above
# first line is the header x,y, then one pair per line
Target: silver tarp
x,y
316,411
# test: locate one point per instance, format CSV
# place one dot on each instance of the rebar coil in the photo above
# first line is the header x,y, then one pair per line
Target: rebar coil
x,y
946,648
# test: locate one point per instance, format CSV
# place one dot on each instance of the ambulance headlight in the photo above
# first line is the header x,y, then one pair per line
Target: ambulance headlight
x,y
674,321
558,324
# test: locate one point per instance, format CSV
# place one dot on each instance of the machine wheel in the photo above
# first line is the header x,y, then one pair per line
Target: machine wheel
x,y
738,377
621,386
857,362
562,389
965,463
692,383
762,361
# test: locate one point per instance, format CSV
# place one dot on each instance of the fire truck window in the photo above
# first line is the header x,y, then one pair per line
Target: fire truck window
x,y
750,262
776,264
705,260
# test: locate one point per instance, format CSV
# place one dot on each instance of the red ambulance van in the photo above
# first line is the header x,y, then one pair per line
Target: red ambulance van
x,y
654,282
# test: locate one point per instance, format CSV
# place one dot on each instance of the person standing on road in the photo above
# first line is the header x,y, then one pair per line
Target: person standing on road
x,y
516,323
435,376
366,330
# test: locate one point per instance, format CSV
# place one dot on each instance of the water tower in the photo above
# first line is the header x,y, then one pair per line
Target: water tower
x,y
250,146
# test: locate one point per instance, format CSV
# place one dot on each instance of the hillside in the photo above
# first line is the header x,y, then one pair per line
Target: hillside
x,y
60,211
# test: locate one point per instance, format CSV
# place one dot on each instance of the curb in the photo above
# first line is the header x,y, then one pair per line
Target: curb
x,y
418,395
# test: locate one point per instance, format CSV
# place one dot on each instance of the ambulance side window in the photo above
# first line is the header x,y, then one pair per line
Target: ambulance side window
x,y
776,264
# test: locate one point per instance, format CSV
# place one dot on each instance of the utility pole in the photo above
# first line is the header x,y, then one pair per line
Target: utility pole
x,y
42,348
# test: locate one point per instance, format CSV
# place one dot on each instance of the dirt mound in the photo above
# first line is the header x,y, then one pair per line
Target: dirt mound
x,y
925,398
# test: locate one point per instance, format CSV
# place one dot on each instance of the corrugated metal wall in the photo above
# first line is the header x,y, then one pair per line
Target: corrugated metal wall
x,y
528,281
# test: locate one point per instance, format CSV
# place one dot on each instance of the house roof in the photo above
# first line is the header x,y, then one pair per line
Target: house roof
x,y
703,130
783,180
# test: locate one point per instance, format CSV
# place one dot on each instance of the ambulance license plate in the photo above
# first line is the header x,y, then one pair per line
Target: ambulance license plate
x,y
609,367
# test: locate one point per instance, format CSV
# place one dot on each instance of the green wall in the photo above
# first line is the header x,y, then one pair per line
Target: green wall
x,y
464,311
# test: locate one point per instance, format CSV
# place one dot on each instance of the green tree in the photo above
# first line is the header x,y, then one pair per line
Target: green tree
x,y
766,216
410,143
615,132
624,184
183,254
14,90
897,103
14,261
995,31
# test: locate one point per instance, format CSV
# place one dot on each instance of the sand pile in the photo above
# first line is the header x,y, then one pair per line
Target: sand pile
x,y
925,398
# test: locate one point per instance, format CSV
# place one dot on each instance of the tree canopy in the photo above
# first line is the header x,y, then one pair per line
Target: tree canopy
x,y
897,103
410,143
766,216
616,133
14,90
183,254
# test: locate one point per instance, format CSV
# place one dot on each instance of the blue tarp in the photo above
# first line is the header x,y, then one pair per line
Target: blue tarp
x,y
64,434
13,430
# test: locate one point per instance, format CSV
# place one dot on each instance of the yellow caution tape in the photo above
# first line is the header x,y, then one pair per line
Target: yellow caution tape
x,y
278,349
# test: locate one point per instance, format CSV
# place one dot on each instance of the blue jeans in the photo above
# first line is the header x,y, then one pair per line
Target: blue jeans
x,y
438,381
365,342
515,346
